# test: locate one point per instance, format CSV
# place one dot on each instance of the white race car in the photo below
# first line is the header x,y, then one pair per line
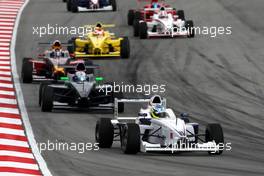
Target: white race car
x,y
153,131
163,24
91,5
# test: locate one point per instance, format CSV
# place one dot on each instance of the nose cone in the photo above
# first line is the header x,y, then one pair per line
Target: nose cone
x,y
59,70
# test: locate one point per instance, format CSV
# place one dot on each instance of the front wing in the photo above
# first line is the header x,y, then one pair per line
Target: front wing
x,y
203,147
84,55
106,8
168,34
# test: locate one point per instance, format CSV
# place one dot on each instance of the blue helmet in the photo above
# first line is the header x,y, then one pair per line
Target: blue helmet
x,y
155,5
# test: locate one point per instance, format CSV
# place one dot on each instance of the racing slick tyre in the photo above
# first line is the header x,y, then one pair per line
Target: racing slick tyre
x,y
27,69
189,26
214,132
41,86
125,48
130,138
137,16
104,133
72,46
130,17
136,28
143,30
47,99
74,5
181,15
113,3
68,5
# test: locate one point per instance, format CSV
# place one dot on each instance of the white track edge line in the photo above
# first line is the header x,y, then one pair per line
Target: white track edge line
x,y
28,129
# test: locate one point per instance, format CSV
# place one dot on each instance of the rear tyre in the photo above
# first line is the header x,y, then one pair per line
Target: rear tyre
x,y
214,132
181,15
72,46
143,30
130,17
125,48
113,3
27,69
104,133
136,28
190,27
137,16
74,6
130,139
47,99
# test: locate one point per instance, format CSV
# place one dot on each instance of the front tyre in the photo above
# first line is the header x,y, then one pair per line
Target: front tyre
x,y
190,27
41,86
47,99
136,28
68,5
74,6
27,69
143,30
125,48
104,133
214,132
130,138
114,5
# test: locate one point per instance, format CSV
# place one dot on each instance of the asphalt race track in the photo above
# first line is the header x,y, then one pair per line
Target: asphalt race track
x,y
214,79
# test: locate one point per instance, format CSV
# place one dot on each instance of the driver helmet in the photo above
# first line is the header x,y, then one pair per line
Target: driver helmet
x,y
158,111
56,45
155,5
99,29
163,13
57,53
79,76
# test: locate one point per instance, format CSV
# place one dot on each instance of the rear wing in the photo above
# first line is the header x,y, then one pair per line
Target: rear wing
x,y
44,44
150,0
117,101
87,66
103,25
155,9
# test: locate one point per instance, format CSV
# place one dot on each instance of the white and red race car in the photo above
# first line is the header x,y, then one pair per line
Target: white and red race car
x,y
164,24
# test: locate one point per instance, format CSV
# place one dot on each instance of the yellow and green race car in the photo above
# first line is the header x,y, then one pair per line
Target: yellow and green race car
x,y
99,43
